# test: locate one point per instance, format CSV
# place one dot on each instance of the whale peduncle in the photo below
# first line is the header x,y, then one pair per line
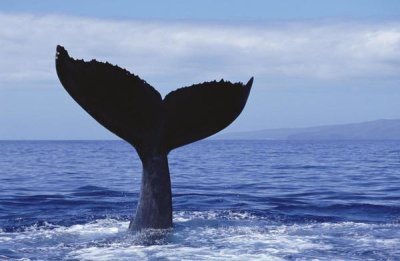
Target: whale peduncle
x,y
154,209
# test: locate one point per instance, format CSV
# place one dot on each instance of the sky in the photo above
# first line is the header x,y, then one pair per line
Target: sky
x,y
314,62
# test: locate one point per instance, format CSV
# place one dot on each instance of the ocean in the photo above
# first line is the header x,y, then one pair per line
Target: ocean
x,y
232,200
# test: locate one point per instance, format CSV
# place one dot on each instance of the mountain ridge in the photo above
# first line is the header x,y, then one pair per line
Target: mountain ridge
x,y
382,129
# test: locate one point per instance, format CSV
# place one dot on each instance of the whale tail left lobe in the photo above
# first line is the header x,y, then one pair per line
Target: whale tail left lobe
x,y
132,109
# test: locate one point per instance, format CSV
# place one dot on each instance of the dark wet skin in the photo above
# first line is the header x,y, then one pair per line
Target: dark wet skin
x,y
135,111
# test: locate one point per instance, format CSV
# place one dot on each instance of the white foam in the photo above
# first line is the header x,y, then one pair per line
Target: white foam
x,y
208,236
185,216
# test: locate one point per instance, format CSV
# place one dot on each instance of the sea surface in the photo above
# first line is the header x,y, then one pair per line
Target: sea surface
x,y
233,200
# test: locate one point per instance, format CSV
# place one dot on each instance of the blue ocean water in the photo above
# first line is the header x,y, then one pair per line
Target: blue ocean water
x,y
233,200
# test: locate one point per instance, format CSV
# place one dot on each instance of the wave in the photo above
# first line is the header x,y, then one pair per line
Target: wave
x,y
94,191
197,235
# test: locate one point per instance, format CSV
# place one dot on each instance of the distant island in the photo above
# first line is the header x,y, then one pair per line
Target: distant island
x,y
371,130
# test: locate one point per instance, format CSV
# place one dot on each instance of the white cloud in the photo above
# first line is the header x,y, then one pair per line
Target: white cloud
x,y
175,53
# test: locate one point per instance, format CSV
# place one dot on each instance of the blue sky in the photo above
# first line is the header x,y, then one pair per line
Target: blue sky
x,y
314,62
209,9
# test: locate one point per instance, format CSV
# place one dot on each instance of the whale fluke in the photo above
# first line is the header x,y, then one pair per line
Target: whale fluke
x,y
135,111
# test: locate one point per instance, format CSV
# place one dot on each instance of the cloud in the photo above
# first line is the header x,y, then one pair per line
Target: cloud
x,y
169,54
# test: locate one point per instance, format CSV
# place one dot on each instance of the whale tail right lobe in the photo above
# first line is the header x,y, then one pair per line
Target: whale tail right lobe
x,y
201,110
133,110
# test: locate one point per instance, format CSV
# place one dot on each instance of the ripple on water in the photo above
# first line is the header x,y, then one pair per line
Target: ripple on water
x,y
243,200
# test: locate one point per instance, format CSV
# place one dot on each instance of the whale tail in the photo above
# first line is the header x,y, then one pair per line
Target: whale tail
x,y
133,110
